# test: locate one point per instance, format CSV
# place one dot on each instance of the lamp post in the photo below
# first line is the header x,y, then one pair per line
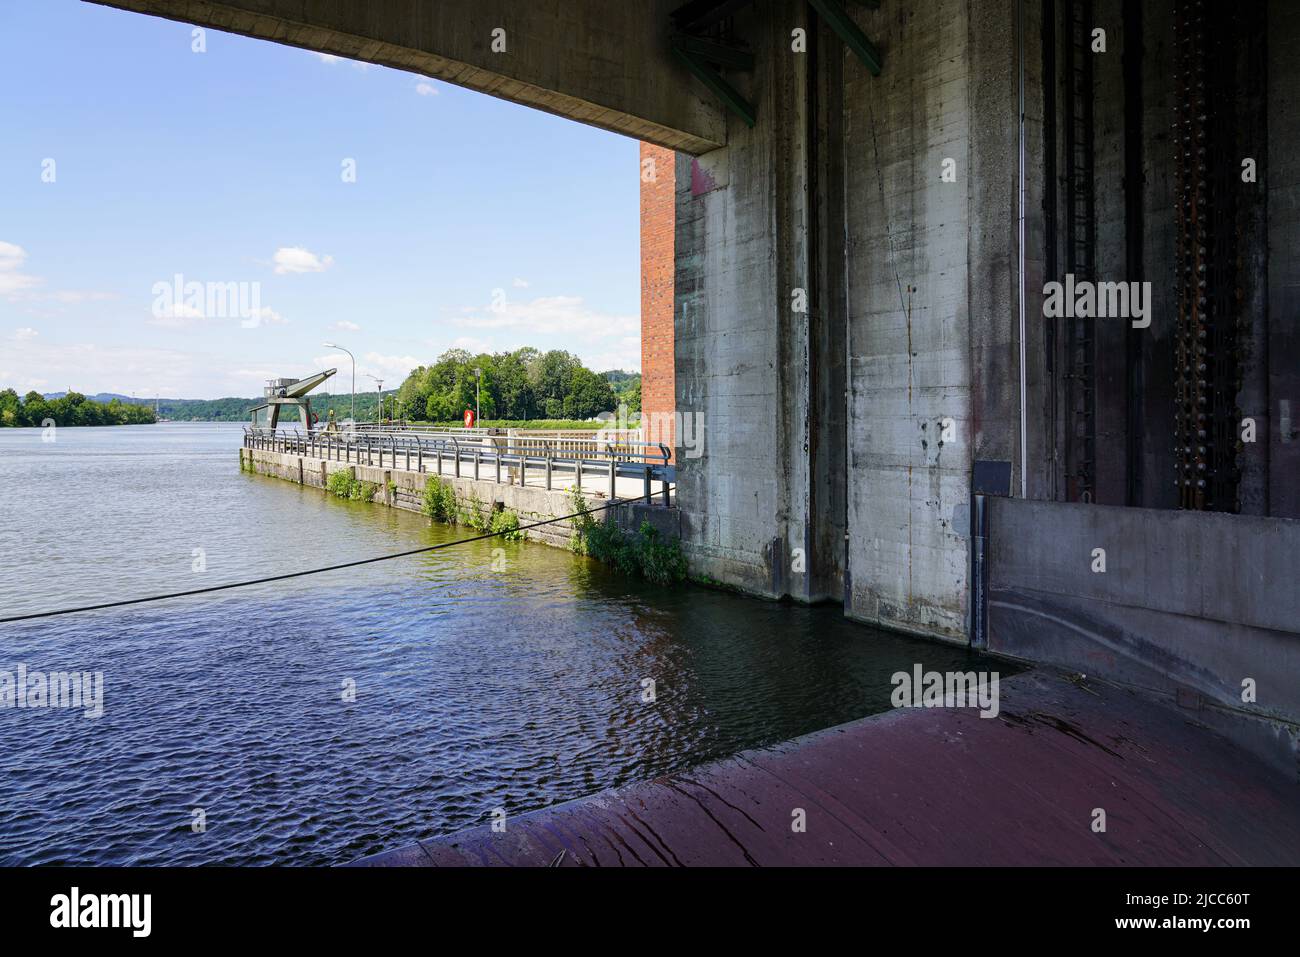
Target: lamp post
x,y
331,345
478,393
379,393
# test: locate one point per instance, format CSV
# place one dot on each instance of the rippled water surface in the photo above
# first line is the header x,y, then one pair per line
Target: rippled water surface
x,y
475,688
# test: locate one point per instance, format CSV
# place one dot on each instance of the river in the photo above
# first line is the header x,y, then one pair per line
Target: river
x,y
316,720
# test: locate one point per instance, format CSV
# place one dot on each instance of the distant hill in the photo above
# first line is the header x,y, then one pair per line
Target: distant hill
x,y
99,397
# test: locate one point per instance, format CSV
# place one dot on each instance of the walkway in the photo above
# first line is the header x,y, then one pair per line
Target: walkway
x,y
939,786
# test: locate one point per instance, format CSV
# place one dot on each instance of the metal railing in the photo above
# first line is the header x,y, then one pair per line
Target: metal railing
x,y
480,456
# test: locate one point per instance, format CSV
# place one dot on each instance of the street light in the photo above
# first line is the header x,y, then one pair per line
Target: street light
x,y
379,391
331,345
478,393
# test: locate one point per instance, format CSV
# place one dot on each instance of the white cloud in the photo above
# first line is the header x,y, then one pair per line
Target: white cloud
x,y
470,344
519,283
263,315
73,296
89,368
16,284
551,315
12,279
426,89
177,315
296,259
344,326
392,369
24,333
334,58
602,340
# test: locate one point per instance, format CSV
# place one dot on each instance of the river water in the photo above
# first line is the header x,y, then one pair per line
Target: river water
x,y
316,720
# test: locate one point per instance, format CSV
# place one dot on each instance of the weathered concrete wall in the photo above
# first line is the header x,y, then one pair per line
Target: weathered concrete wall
x,y
1282,180
1188,603
826,428
925,257
741,349
601,63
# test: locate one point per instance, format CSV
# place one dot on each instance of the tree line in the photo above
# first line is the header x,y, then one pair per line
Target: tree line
x,y
524,384
34,410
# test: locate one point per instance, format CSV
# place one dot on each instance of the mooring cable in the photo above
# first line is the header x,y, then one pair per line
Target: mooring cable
x,y
318,571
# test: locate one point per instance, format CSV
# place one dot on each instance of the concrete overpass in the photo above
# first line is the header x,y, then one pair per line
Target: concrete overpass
x,y
859,301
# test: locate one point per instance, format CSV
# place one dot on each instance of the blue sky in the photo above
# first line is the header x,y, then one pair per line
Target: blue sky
x,y
471,222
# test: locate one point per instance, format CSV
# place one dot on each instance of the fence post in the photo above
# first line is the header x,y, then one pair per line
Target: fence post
x,y
646,485
612,474
548,469
577,472
477,455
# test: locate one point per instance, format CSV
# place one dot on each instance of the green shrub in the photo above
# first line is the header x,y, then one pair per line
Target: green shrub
x,y
633,553
474,514
506,524
439,500
341,484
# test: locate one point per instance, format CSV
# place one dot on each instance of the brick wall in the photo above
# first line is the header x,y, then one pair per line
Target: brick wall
x,y
658,190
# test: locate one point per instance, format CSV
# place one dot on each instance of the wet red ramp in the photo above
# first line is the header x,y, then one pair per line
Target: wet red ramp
x,y
932,786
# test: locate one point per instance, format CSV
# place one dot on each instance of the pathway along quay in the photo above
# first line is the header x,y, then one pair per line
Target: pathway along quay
x,y
533,477
1070,771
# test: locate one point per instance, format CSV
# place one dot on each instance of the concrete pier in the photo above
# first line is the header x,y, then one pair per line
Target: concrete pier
x,y
532,502
937,786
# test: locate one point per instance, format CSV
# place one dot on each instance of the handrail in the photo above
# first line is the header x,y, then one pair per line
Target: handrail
x,y
624,451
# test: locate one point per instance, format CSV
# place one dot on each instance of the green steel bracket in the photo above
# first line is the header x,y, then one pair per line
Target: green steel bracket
x,y
698,54
832,11
714,52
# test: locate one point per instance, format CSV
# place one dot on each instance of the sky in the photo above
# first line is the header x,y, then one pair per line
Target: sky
x,y
192,222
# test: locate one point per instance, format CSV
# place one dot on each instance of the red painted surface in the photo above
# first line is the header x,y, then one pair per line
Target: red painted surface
x,y
658,222
933,786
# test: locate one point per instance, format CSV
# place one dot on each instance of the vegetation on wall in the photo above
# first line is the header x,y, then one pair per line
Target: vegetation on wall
x,y
641,552
439,502
73,408
342,485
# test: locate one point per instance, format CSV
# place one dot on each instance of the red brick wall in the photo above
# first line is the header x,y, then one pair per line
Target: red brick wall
x,y
658,220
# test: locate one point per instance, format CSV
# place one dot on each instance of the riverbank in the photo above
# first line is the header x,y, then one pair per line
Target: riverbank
x,y
1066,774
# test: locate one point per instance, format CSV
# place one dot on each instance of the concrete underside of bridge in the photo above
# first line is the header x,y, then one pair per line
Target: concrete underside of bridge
x,y
854,272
